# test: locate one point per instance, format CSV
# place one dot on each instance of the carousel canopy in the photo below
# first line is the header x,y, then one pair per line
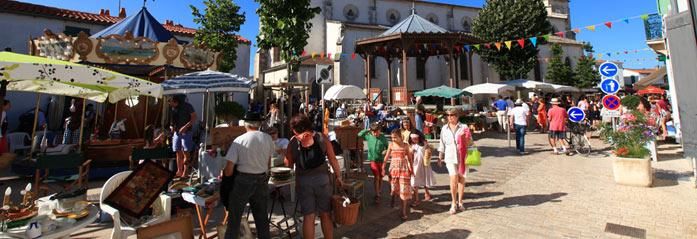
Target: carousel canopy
x,y
49,76
443,91
207,81
490,89
344,92
142,24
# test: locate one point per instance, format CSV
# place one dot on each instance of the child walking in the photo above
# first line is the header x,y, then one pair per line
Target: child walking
x,y
423,174
400,170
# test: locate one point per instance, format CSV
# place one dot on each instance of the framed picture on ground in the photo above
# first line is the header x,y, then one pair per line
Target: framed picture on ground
x,y
140,189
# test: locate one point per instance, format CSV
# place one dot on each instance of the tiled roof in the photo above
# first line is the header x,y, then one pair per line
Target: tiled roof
x,y
86,17
642,71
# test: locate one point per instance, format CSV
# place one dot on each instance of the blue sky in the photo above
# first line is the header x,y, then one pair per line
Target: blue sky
x,y
622,37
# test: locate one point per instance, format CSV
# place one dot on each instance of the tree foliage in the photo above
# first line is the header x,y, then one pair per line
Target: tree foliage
x,y
558,71
219,25
285,24
585,74
504,20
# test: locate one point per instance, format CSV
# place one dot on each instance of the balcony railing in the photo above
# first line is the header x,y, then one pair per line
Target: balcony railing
x,y
653,26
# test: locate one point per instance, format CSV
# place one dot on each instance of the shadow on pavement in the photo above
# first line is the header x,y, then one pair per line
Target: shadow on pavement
x,y
468,196
455,233
517,201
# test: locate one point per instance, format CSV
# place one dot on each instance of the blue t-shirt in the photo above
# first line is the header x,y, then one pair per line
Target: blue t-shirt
x,y
500,105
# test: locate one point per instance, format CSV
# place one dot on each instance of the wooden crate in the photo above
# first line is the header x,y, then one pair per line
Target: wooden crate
x,y
348,137
222,137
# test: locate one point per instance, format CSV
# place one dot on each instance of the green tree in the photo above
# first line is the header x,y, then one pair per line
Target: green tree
x,y
585,74
219,25
285,24
559,71
504,20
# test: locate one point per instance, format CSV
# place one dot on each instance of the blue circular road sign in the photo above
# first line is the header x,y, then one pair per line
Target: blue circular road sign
x,y
609,86
608,69
576,114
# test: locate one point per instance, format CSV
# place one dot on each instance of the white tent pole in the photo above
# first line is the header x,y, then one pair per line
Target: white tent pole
x,y
36,118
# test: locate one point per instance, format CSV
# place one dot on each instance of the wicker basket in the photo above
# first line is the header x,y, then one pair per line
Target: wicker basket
x,y
345,215
6,160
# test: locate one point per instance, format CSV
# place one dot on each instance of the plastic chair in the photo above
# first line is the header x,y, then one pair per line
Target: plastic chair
x,y
17,141
162,208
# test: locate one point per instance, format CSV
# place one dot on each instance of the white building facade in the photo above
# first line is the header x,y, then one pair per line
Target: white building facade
x,y
342,22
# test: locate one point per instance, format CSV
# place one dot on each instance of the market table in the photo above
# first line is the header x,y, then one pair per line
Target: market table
x,y
60,232
201,204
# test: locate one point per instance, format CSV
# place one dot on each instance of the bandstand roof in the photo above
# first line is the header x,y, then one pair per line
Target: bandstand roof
x,y
418,36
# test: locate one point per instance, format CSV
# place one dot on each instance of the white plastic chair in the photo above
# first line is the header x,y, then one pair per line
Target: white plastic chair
x,y
17,141
162,208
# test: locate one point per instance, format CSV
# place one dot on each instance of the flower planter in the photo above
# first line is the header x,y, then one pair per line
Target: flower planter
x,y
632,172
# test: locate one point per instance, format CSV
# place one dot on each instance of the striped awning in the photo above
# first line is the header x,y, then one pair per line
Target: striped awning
x,y
207,81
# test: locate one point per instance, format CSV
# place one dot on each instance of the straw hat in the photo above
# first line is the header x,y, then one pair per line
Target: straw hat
x,y
554,101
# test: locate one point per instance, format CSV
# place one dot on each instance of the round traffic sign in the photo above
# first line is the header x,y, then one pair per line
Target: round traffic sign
x,y
611,102
576,114
608,69
609,86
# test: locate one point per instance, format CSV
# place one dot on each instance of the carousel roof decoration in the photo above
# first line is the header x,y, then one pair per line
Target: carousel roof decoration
x,y
142,24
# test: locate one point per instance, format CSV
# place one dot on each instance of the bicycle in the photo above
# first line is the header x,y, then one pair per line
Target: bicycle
x,y
577,139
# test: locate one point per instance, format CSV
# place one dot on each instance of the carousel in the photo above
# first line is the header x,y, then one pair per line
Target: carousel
x,y
137,46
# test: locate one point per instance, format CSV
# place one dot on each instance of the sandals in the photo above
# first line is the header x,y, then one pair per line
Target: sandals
x,y
415,203
453,210
404,217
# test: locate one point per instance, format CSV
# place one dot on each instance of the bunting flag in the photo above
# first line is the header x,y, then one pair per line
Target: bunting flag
x,y
498,45
314,54
600,56
321,55
353,55
546,37
533,40
591,28
476,46
626,20
487,45
608,25
645,17
303,53
560,34
576,30
467,48
329,56
508,44
521,42
609,54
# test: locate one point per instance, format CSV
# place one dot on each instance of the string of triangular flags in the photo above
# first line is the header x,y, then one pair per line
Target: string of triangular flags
x,y
521,42
620,53
547,59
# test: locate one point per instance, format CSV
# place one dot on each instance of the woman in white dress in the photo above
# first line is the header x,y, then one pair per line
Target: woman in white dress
x,y
423,174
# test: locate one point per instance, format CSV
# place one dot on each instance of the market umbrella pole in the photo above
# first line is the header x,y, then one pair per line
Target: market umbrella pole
x,y
36,118
82,124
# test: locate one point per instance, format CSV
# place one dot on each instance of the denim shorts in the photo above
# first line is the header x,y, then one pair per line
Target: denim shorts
x,y
314,194
182,142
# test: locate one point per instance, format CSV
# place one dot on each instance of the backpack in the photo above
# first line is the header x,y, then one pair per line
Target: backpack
x,y
312,157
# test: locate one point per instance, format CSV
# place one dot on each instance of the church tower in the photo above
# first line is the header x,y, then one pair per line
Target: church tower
x,y
559,15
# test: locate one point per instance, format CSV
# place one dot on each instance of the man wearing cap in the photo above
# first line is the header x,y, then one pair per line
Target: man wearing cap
x,y
557,126
377,145
519,121
245,177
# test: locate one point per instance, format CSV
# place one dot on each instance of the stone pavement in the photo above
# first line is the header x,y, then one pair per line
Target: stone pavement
x,y
539,195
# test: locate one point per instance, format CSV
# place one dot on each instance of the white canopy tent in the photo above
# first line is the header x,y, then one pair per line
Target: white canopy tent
x,y
528,84
344,92
490,89
565,89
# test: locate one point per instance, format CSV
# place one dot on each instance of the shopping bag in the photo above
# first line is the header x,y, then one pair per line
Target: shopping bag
x,y
474,157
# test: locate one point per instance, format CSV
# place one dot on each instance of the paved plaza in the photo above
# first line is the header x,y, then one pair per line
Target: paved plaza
x,y
539,195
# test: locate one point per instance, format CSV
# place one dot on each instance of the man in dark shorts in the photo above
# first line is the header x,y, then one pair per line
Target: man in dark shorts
x,y
182,120
557,126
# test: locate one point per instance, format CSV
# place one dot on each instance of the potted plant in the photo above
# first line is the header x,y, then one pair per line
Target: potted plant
x,y
631,164
229,112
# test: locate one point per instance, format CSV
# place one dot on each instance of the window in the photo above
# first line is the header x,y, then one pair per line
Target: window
x,y
420,68
276,54
73,31
372,67
463,68
466,24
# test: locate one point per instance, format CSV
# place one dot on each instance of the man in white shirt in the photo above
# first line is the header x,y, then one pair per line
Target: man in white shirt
x,y
519,120
245,177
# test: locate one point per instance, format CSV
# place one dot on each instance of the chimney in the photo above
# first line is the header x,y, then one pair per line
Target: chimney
x,y
101,12
106,12
122,12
